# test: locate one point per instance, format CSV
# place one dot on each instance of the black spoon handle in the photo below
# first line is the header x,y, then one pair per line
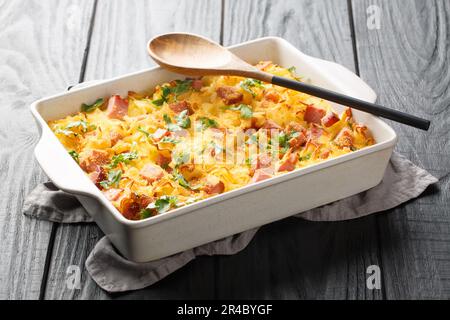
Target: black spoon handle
x,y
365,106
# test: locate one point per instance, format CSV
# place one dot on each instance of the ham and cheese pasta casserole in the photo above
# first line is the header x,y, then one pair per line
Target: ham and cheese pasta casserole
x,y
191,139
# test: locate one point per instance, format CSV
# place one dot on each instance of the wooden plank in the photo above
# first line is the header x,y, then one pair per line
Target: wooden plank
x,y
293,258
407,61
297,259
41,49
318,28
122,29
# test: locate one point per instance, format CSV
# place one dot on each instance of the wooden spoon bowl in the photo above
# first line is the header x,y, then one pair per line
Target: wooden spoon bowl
x,y
195,55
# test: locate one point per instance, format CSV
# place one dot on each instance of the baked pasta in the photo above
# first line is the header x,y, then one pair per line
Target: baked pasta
x,y
188,140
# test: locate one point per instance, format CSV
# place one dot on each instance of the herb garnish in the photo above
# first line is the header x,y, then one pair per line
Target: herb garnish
x,y
248,83
205,123
169,125
292,69
113,179
253,139
181,158
246,110
81,123
180,87
163,204
183,119
183,182
147,134
145,213
91,107
123,157
283,139
75,155
169,140
164,97
304,158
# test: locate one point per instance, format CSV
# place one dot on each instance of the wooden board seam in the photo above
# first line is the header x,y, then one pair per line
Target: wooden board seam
x,y
55,225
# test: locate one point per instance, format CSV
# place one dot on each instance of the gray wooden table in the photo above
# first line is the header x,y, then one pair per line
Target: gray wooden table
x,y
47,45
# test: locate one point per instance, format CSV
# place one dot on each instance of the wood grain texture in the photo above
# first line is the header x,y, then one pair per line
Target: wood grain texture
x,y
407,61
319,28
118,45
296,259
41,49
123,28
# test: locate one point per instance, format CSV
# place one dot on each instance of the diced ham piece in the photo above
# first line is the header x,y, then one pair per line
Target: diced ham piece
x,y
144,201
325,154
97,176
217,132
217,135
213,185
151,172
344,138
314,114
131,207
294,127
114,137
257,121
262,174
329,119
112,194
288,164
270,124
159,134
197,84
117,107
315,132
298,141
162,161
187,169
229,95
179,133
363,130
92,159
272,95
263,161
348,112
180,106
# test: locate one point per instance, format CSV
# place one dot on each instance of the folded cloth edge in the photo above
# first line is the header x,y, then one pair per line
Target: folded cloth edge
x,y
421,180
114,273
151,272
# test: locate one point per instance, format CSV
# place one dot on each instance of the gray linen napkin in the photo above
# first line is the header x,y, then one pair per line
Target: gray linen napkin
x,y
402,181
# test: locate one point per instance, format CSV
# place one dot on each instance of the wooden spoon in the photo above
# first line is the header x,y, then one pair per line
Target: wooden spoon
x,y
193,55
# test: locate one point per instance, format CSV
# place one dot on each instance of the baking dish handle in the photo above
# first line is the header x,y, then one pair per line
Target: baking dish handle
x,y
61,168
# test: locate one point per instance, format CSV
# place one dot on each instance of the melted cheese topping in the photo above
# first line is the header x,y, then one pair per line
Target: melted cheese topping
x,y
188,140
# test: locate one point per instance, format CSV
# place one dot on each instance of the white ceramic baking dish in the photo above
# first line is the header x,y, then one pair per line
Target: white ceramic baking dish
x,y
233,212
